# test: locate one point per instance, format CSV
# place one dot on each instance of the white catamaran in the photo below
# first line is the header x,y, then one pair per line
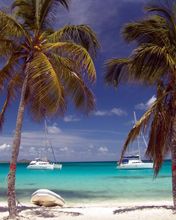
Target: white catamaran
x,y
39,164
135,161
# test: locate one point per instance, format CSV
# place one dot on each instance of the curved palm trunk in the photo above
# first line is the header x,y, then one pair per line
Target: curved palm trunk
x,y
15,151
173,155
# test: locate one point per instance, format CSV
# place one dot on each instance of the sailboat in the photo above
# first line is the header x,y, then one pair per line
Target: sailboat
x,y
39,164
135,161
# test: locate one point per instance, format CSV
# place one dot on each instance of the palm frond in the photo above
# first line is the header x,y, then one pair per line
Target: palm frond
x,y
164,11
74,85
159,141
37,14
167,14
12,90
6,47
48,11
3,111
81,95
24,10
117,71
150,62
139,126
147,64
76,53
142,124
160,129
8,69
79,34
9,27
46,91
150,30
63,64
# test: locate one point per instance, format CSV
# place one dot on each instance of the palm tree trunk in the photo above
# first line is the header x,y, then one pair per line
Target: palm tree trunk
x,y
15,151
173,155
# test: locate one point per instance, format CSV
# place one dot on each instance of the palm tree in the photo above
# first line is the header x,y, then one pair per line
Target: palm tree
x,y
152,62
12,90
47,65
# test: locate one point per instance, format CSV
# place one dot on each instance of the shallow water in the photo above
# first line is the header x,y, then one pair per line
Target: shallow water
x,y
91,182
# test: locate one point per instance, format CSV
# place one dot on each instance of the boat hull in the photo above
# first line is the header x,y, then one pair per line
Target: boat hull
x,y
47,198
40,167
58,166
43,165
135,166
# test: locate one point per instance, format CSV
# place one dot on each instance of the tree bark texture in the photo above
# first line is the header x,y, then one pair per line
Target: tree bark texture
x,y
15,151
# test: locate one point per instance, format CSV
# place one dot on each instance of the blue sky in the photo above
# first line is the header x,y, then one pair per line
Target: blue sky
x,y
101,135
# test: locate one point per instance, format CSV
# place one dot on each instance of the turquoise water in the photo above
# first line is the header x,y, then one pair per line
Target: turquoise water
x,y
91,182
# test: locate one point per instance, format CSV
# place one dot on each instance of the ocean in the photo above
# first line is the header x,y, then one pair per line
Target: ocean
x,y
91,182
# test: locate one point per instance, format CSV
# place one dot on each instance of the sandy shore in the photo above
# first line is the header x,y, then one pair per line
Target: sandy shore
x,y
124,211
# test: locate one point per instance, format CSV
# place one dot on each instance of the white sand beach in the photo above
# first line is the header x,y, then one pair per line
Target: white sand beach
x,y
124,211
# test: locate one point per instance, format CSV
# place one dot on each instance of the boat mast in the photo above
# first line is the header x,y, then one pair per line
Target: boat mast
x,y
145,142
48,141
135,120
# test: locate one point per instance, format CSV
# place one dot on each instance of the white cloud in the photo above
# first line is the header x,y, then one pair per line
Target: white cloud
x,y
68,145
4,146
140,106
5,150
103,149
91,146
54,129
63,149
118,112
145,106
100,113
113,111
71,118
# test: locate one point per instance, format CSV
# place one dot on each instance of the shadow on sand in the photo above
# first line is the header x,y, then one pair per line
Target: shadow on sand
x,y
129,209
42,212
